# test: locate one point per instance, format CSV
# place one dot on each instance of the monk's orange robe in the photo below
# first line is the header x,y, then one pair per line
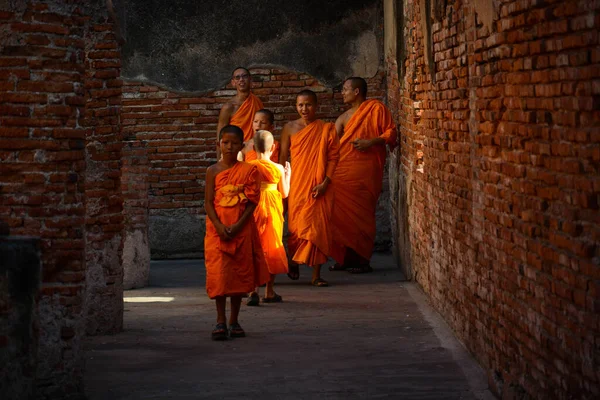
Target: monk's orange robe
x,y
251,155
268,216
358,180
237,266
314,153
244,116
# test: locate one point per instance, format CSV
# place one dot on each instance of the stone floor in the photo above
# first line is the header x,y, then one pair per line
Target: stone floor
x,y
366,336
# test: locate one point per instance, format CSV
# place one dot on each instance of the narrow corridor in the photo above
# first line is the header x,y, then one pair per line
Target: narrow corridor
x,y
366,336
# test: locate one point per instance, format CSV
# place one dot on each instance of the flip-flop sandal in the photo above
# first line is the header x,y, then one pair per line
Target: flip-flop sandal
x,y
337,267
220,332
235,330
275,299
294,273
362,269
253,299
319,282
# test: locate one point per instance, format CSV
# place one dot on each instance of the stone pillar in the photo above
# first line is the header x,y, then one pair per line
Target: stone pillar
x,y
134,185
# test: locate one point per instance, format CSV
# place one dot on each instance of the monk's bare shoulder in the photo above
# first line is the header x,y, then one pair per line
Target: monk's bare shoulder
x,y
279,167
215,169
227,108
292,127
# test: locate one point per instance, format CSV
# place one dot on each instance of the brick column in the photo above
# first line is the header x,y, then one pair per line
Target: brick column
x,y
104,202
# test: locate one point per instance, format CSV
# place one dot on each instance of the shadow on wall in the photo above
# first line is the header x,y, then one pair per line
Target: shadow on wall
x,y
189,45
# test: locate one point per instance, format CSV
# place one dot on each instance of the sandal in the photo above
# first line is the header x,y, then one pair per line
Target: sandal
x,y
235,330
275,299
253,299
294,272
220,332
337,267
361,269
319,282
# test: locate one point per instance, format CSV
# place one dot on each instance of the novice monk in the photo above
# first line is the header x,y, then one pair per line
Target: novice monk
x,y
263,120
314,146
275,185
364,129
240,110
234,260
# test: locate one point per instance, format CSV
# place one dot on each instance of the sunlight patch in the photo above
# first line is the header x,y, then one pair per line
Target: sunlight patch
x,y
148,299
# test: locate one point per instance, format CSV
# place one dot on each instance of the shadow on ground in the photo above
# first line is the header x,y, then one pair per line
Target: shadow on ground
x,y
366,336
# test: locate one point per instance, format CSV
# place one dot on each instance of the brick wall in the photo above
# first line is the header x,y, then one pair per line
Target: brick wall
x,y
51,118
498,173
103,198
180,130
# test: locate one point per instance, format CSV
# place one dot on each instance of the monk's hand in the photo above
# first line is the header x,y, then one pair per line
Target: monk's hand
x,y
222,232
233,230
287,170
362,144
320,189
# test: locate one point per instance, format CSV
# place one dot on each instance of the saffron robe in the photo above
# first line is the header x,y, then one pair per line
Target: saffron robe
x,y
358,180
314,154
234,267
244,116
268,216
251,155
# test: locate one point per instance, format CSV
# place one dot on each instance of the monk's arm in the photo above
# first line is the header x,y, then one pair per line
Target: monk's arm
x,y
246,215
284,182
339,125
209,205
333,155
364,144
224,118
284,150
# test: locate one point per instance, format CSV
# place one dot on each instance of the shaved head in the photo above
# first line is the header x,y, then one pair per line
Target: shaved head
x,y
238,68
263,140
236,130
268,113
358,83
308,93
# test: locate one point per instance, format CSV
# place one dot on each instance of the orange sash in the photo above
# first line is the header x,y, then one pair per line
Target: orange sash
x,y
244,116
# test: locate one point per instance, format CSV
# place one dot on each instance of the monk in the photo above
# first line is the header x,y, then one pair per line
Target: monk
x,y
263,120
234,260
364,131
275,185
314,149
240,109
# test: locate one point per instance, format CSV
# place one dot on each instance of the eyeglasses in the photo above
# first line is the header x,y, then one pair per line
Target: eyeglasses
x,y
240,77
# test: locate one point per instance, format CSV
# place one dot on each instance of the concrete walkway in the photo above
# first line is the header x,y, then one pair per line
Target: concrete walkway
x,y
366,336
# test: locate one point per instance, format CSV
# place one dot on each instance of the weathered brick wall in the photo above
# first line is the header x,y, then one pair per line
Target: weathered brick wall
x,y
180,130
104,201
499,111
51,125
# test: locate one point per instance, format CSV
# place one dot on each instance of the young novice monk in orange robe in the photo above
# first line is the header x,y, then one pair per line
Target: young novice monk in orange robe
x,y
263,120
234,260
314,149
275,185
